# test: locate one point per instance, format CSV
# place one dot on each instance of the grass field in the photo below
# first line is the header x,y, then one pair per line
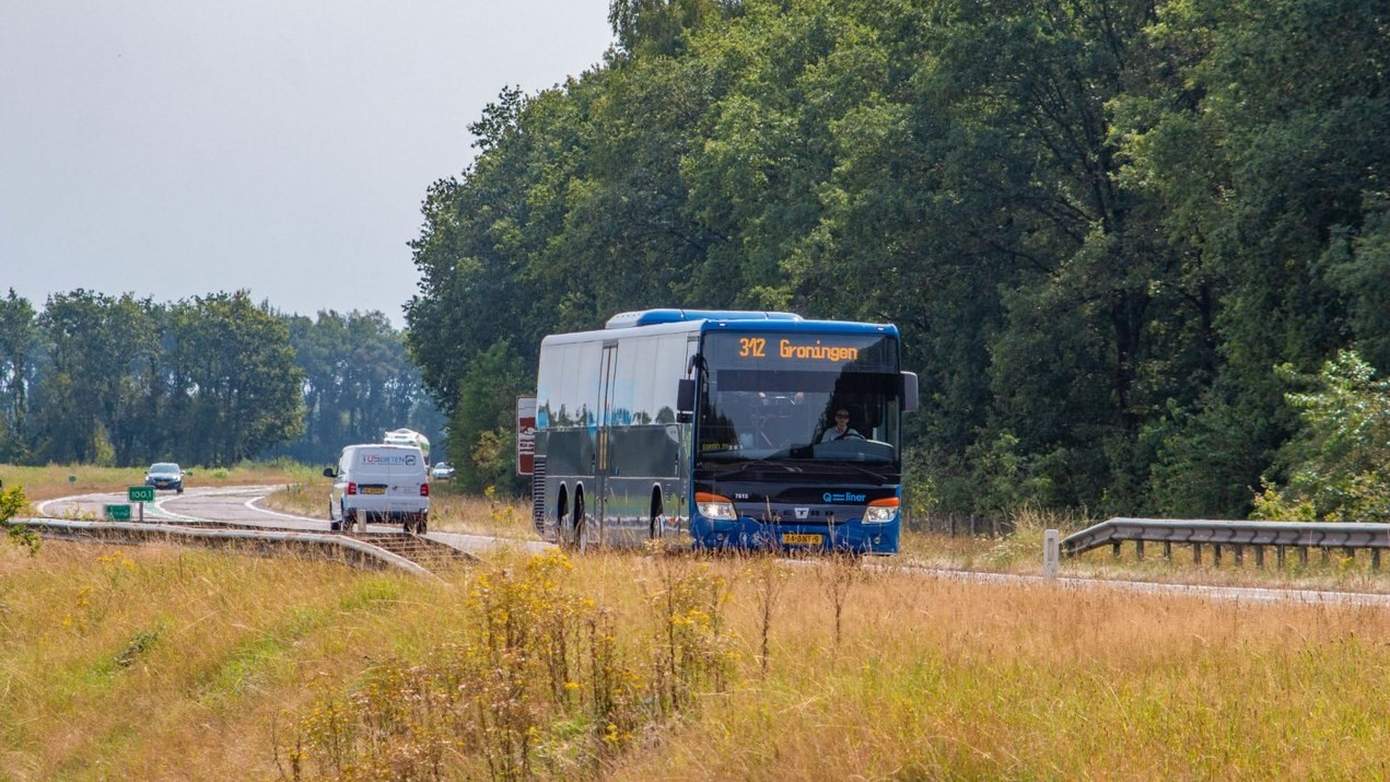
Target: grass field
x,y
159,663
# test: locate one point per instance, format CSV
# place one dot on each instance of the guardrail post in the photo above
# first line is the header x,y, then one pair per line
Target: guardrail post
x,y
1216,555
1196,553
1239,554
1279,556
1139,550
1168,550
1375,559
1052,552
1260,557
1326,554
1303,555
1115,549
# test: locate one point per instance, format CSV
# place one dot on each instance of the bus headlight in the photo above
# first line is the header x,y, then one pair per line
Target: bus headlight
x,y
714,506
881,511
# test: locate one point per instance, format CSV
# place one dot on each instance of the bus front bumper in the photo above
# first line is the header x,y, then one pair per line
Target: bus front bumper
x,y
747,533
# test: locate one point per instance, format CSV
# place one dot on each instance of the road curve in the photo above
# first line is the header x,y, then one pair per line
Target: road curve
x,y
244,506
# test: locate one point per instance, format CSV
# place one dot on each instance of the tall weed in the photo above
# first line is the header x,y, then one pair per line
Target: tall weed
x,y
540,682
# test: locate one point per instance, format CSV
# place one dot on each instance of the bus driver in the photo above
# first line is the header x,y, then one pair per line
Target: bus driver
x,y
841,430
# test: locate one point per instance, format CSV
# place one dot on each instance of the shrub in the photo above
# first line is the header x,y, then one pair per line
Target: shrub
x,y
1339,462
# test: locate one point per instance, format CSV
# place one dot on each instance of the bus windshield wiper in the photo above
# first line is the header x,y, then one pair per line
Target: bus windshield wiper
x,y
751,464
878,477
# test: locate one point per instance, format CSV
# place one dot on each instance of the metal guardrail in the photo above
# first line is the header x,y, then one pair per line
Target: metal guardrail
x,y
352,550
1235,535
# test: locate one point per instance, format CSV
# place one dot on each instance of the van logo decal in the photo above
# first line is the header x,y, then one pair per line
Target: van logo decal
x,y
406,460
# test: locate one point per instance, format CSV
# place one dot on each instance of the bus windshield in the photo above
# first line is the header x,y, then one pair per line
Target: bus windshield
x,y
800,397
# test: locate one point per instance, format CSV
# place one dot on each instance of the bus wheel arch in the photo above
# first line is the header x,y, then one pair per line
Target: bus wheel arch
x,y
562,507
658,521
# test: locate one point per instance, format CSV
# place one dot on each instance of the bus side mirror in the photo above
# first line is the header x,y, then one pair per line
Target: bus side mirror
x,y
909,392
685,400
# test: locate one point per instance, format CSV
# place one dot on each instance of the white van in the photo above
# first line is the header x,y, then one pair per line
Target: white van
x,y
388,482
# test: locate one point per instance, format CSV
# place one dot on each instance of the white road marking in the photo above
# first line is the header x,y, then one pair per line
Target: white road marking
x,y
159,506
43,506
252,505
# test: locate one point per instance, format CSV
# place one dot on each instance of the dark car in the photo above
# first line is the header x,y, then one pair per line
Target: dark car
x,y
165,475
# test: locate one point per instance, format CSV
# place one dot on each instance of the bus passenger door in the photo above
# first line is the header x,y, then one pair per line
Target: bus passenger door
x,y
685,454
602,458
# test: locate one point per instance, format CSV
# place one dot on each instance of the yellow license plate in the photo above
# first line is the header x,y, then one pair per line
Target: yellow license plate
x,y
795,539
373,489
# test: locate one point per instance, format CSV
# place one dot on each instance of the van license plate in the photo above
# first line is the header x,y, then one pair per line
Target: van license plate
x,y
373,489
795,539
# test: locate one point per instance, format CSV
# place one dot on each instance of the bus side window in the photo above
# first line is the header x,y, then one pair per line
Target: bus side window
x,y
669,369
587,363
548,375
642,358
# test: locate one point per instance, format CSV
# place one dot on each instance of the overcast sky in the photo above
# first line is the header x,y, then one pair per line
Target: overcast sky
x,y
175,147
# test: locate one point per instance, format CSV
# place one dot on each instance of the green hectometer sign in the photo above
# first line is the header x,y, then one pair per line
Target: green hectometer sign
x,y
140,494
118,512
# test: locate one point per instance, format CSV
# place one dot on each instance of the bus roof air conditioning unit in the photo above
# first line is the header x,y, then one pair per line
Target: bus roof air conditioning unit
x,y
624,320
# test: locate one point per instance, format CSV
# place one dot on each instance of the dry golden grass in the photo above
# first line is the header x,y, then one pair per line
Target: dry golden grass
x,y
450,509
57,480
158,663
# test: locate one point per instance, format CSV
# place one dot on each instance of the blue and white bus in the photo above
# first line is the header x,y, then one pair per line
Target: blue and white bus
x,y
722,426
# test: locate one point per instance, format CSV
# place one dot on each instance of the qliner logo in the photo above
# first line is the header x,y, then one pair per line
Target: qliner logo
x,y
404,460
848,496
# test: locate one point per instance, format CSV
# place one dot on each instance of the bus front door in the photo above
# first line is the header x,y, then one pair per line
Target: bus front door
x,y
602,458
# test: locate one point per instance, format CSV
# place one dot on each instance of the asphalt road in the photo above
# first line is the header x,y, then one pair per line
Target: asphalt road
x,y
243,505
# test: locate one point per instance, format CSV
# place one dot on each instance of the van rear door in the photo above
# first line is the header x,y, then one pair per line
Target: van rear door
x,y
392,472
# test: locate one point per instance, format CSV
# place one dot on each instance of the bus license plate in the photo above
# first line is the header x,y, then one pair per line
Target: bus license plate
x,y
373,489
796,539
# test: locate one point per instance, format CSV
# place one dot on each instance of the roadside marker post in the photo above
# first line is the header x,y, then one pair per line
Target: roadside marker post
x,y
1052,552
140,495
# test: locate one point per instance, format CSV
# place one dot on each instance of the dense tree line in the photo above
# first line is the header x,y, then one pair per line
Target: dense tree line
x,y
358,383
209,380
1101,224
